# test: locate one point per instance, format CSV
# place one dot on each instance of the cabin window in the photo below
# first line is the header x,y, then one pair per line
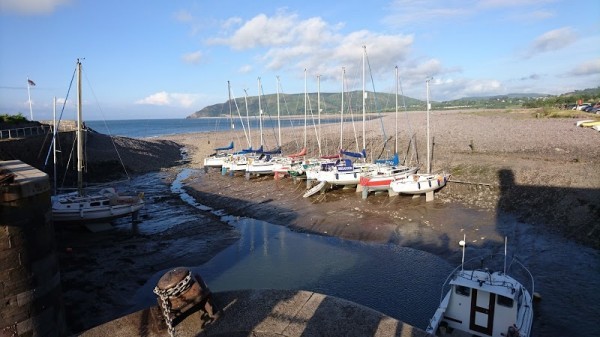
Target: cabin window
x,y
505,301
461,290
105,203
94,204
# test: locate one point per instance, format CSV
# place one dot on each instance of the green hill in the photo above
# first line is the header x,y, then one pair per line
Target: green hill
x,y
293,104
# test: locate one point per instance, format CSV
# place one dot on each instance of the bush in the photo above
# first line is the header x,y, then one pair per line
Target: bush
x,y
13,119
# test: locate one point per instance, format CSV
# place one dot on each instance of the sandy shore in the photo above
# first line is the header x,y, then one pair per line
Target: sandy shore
x,y
543,171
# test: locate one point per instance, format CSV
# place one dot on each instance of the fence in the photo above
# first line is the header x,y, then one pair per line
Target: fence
x,y
43,128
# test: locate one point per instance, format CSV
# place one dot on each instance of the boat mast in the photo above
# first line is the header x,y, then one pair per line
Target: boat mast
x,y
54,139
229,102
248,117
278,117
396,139
342,110
319,111
463,243
428,140
305,108
505,243
79,133
260,112
364,98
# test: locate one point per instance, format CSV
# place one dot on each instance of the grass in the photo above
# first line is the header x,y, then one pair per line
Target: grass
x,y
548,112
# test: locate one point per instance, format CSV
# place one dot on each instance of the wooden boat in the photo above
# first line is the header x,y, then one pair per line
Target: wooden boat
x,y
482,302
88,206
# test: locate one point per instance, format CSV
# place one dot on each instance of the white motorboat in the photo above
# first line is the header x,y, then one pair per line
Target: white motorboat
x,y
482,302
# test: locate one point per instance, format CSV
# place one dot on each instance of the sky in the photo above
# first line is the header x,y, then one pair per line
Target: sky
x,y
167,59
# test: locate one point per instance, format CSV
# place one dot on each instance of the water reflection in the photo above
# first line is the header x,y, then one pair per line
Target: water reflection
x,y
394,280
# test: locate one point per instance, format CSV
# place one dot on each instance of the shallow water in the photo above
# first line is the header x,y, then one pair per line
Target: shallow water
x,y
401,282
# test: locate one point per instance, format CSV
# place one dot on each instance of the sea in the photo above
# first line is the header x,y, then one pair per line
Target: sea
x,y
148,128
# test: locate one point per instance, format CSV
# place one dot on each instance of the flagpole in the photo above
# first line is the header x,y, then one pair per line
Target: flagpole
x,y
29,96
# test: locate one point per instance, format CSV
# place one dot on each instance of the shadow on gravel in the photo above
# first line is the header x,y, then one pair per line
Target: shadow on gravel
x,y
571,212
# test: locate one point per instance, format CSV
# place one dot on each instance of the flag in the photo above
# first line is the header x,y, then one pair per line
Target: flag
x,y
31,83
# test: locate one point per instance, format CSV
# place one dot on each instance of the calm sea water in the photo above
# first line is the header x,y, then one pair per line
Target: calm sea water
x,y
144,128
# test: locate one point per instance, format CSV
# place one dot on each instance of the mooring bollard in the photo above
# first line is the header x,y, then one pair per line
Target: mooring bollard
x,y
181,293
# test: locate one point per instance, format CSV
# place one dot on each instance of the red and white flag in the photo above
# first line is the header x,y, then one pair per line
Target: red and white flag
x,y
31,83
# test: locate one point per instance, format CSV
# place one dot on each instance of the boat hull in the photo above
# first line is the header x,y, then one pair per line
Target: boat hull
x,y
419,183
94,208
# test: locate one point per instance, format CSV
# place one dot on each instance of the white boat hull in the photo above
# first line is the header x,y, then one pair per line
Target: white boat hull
x,y
215,161
94,208
419,183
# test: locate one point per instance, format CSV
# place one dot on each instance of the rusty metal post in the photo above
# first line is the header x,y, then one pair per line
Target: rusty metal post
x,y
181,293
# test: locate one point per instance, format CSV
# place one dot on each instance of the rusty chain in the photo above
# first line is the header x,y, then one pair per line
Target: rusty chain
x,y
165,294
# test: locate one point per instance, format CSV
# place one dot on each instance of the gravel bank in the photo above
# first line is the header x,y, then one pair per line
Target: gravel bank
x,y
543,170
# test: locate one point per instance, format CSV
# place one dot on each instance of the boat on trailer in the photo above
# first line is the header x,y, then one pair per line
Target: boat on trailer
x,y
481,302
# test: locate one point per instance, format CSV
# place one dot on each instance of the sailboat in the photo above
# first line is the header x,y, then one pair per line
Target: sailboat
x,y
268,161
387,171
307,167
483,302
344,171
84,206
421,183
221,153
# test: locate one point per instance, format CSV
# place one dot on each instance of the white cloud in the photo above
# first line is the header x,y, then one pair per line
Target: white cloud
x,y
183,16
232,22
261,31
407,12
245,69
512,3
552,40
31,7
284,41
164,98
591,67
193,57
451,88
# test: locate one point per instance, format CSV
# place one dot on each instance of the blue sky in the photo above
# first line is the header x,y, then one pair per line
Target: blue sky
x,y
167,59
